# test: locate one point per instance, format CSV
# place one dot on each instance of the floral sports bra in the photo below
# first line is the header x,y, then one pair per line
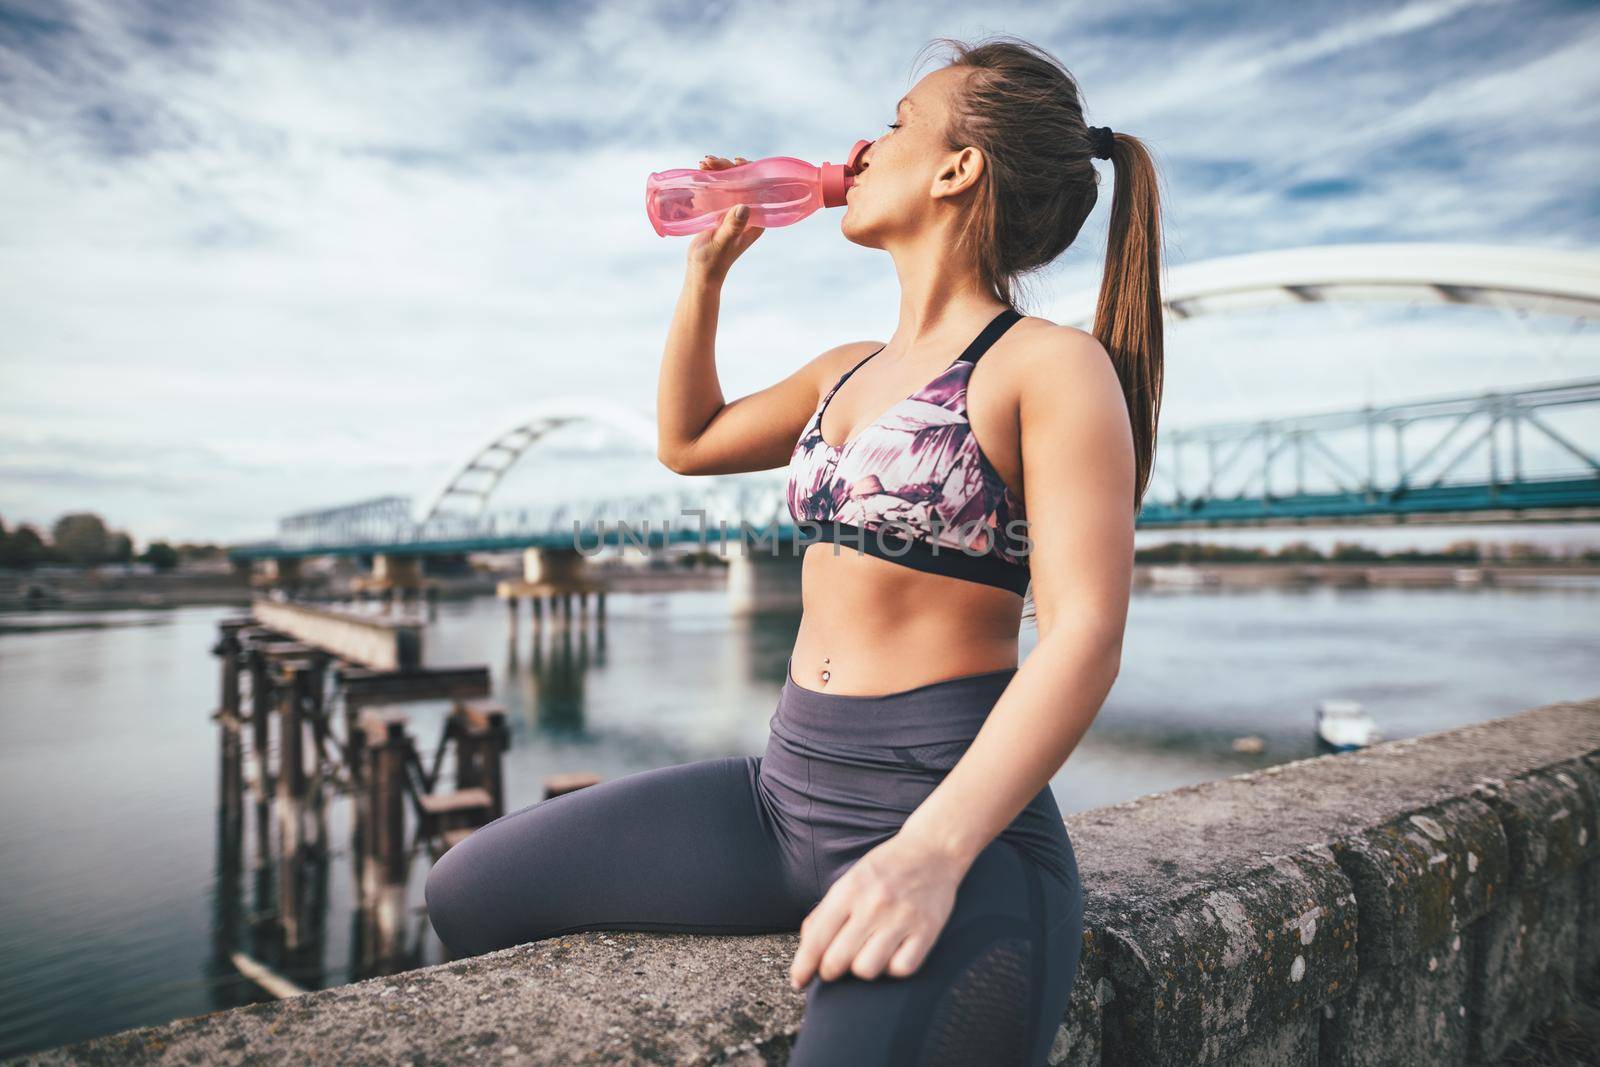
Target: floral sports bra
x,y
914,487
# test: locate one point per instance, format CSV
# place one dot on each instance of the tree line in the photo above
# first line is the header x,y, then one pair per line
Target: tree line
x,y
1465,553
82,538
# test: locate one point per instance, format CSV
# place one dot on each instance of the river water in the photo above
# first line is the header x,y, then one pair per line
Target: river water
x,y
114,913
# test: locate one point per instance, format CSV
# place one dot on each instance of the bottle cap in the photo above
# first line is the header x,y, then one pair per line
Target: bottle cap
x,y
838,177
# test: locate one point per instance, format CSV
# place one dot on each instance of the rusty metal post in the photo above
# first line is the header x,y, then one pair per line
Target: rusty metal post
x,y
227,648
388,802
384,896
316,709
316,689
498,741
358,759
294,681
293,677
260,720
231,780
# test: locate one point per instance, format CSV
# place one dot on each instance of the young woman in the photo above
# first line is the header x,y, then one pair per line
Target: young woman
x,y
901,815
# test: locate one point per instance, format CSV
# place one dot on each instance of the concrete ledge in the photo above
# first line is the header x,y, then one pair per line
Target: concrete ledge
x,y
1423,901
583,998
1422,877
374,641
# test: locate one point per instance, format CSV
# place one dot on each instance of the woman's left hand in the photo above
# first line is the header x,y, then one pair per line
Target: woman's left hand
x,y
884,913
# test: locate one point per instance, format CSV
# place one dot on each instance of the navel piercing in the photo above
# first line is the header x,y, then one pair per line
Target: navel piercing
x,y
825,673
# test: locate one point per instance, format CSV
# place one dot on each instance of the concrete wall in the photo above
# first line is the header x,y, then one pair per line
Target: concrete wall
x,y
1423,901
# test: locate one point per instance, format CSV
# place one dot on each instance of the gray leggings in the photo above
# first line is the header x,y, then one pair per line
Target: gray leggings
x,y
749,844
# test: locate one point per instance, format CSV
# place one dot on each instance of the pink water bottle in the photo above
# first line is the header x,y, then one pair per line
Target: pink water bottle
x,y
779,190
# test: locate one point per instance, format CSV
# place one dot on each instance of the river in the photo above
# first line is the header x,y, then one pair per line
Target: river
x,y
114,914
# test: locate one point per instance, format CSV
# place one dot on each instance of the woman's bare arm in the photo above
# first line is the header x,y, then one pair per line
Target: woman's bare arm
x,y
698,431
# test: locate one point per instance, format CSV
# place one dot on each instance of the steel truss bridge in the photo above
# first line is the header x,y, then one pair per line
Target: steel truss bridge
x,y
1526,454
1463,456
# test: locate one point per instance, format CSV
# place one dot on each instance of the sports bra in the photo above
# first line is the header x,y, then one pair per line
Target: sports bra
x,y
916,478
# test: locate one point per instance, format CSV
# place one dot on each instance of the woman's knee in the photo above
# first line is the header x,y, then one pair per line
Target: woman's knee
x,y
465,891
447,894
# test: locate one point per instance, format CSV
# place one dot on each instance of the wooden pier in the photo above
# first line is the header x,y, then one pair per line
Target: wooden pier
x,y
310,707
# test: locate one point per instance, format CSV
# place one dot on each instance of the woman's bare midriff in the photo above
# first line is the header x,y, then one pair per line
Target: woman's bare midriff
x,y
880,627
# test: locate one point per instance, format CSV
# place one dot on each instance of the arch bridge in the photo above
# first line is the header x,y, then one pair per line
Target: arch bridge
x,y
1530,453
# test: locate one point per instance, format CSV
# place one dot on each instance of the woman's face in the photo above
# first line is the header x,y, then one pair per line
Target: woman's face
x,y
908,170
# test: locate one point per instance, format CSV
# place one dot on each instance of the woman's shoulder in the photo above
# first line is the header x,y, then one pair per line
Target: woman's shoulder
x,y
1036,352
1061,372
833,363
1040,338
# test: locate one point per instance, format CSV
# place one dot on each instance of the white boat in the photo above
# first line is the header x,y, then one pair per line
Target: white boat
x,y
1343,725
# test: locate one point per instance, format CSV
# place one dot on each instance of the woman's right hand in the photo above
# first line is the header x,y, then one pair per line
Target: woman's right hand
x,y
713,251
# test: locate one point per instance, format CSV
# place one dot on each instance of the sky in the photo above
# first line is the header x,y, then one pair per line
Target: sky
x,y
257,258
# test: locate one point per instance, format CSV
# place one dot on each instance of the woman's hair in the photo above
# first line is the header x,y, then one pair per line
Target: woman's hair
x,y
1021,108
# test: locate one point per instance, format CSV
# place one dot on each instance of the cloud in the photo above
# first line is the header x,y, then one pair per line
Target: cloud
x,y
282,254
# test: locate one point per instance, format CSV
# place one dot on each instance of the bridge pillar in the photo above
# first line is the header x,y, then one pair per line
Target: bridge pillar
x,y
554,576
277,574
395,576
398,572
760,582
557,571
400,575
558,566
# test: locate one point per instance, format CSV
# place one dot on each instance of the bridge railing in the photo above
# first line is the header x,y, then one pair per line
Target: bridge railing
x,y
1373,456
1521,451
